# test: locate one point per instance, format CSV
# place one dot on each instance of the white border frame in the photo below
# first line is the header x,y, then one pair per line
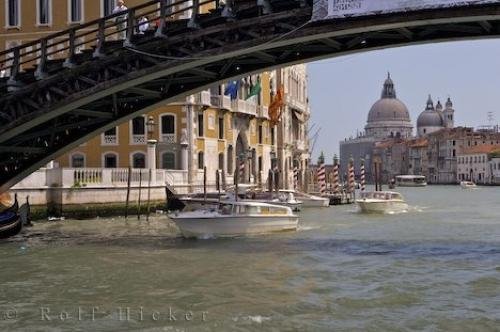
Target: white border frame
x,y
48,24
19,12
103,159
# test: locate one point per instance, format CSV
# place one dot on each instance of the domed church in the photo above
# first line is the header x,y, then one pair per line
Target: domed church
x,y
389,117
433,119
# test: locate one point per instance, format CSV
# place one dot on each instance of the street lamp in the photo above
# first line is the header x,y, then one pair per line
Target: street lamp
x,y
150,125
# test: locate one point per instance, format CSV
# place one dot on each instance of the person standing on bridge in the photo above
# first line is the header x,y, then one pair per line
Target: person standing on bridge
x,y
121,20
3,72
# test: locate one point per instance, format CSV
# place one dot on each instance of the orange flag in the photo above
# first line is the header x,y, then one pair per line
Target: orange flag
x,y
276,105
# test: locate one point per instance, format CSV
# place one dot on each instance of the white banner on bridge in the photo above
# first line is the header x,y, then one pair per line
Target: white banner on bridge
x,y
327,9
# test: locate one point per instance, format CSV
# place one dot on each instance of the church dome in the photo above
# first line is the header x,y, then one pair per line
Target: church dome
x,y
430,117
388,108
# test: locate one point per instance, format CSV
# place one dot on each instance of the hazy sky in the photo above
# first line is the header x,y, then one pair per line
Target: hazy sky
x,y
342,90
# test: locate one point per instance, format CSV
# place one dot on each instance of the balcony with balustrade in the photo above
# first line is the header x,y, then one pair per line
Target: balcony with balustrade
x,y
296,104
221,102
168,138
246,107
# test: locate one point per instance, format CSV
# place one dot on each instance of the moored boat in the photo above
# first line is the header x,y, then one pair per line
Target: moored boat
x,y
468,185
309,200
286,199
235,219
381,202
10,222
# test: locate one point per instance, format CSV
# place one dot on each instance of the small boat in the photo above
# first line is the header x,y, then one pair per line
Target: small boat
x,y
411,181
281,198
235,219
381,202
468,185
10,222
308,200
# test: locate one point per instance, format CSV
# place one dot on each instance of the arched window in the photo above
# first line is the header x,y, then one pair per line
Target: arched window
x,y
139,160
77,160
168,160
221,161
110,160
201,161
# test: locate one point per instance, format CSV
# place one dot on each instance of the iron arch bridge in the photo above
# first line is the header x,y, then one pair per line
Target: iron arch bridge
x,y
101,81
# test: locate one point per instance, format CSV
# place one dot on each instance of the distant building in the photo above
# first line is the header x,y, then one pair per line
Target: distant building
x,y
475,164
434,119
388,119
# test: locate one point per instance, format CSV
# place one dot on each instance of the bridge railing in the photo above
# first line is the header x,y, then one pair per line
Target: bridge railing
x,y
117,26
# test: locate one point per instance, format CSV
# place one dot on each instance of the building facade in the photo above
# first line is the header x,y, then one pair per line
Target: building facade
x,y
211,129
478,164
388,119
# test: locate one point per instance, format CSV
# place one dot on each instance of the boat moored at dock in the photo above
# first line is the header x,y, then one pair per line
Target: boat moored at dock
x,y
308,200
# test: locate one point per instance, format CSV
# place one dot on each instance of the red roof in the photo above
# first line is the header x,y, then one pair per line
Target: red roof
x,y
487,148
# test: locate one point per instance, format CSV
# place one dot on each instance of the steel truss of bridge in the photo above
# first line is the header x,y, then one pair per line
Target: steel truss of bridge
x,y
50,108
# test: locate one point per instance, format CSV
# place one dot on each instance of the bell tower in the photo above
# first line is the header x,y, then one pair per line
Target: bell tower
x,y
449,114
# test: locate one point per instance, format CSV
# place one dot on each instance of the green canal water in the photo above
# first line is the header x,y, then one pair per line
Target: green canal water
x,y
435,268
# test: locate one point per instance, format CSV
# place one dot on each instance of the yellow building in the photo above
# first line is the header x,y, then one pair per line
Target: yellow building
x,y
208,129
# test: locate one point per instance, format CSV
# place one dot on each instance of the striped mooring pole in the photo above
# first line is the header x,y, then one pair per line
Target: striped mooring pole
x,y
363,182
336,185
322,174
352,180
295,177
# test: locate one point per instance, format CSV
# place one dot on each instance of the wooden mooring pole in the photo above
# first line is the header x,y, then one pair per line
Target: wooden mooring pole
x,y
129,180
139,199
149,195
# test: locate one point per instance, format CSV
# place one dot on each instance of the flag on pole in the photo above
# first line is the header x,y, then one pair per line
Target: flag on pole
x,y
276,105
232,89
255,89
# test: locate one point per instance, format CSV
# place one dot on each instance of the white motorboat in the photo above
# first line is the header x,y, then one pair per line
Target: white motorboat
x,y
411,181
235,219
287,199
381,202
308,200
468,185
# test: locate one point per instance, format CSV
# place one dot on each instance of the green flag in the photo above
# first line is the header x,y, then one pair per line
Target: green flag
x,y
255,89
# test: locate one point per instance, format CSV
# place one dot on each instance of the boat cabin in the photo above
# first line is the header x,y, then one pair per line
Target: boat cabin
x,y
381,195
260,209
